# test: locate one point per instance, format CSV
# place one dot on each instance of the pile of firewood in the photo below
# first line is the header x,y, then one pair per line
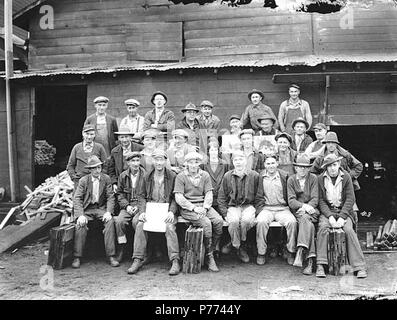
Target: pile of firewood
x,y
54,194
386,237
44,153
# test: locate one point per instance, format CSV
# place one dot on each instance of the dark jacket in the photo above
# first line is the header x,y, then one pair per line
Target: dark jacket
x,y
82,196
166,121
196,138
297,197
115,162
305,143
348,199
228,191
216,177
124,188
349,163
289,167
260,202
111,124
146,191
78,160
258,163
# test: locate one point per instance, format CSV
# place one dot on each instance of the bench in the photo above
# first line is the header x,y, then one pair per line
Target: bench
x,y
225,224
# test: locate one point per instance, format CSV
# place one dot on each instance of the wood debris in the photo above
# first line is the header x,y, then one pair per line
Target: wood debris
x,y
386,237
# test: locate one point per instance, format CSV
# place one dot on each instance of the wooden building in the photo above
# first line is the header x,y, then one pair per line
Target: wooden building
x,y
345,62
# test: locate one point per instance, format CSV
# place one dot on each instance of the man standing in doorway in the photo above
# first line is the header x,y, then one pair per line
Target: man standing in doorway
x,y
105,125
292,109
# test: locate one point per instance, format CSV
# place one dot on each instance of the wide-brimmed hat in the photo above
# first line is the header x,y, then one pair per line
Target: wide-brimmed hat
x,y
206,103
246,131
160,93
124,131
283,135
331,137
320,126
255,91
180,132
330,159
88,127
190,107
133,102
302,160
235,116
300,120
93,162
267,117
159,153
101,99
193,156
132,155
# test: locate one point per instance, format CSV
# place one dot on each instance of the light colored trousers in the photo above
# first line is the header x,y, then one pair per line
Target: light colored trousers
x,y
240,220
285,218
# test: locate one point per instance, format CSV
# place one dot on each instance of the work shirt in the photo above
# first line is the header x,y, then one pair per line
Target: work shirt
x,y
158,189
240,180
333,190
87,147
95,190
134,124
273,192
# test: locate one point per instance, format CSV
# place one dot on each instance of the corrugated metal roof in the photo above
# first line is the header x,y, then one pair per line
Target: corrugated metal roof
x,y
309,60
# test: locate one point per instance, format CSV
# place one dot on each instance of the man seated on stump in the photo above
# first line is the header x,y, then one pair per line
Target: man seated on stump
x,y
94,200
128,187
157,186
193,193
302,189
236,202
336,199
272,205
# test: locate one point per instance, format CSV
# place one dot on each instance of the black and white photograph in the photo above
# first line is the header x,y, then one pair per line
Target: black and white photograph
x,y
198,155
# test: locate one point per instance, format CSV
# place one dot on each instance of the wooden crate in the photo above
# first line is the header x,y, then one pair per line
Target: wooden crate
x,y
193,257
60,254
337,260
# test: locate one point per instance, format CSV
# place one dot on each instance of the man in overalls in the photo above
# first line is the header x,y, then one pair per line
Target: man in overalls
x,y
105,125
292,109
133,121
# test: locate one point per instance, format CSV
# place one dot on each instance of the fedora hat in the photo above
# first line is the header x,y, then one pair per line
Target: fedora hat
x,y
283,135
160,93
255,91
190,106
300,120
132,155
101,99
331,137
330,159
124,131
302,160
93,162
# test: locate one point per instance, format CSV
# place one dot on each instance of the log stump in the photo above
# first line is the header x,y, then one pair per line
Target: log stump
x,y
337,260
193,257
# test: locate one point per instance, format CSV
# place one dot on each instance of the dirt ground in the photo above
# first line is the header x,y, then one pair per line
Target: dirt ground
x,y
24,275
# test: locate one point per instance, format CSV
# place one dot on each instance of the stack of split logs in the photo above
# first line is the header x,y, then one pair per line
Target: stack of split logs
x,y
386,237
53,195
44,153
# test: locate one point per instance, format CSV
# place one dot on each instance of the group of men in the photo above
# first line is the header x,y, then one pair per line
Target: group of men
x,y
307,186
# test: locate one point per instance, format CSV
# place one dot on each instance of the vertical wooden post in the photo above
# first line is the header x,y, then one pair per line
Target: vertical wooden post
x,y
9,66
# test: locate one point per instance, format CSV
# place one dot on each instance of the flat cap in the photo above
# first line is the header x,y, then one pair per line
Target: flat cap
x,y
88,127
283,135
294,85
246,131
193,156
159,153
101,99
180,132
133,102
132,155
206,103
235,116
320,126
150,134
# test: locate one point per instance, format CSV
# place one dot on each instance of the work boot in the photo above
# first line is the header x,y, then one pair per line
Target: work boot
x,y
227,248
320,273
211,263
298,262
119,256
136,265
290,258
76,263
260,259
309,268
175,268
362,274
243,255
113,262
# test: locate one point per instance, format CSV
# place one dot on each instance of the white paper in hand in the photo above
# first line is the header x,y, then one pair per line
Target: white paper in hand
x,y
155,215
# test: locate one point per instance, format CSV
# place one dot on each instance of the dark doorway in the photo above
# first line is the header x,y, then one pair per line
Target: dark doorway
x,y
60,114
376,148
